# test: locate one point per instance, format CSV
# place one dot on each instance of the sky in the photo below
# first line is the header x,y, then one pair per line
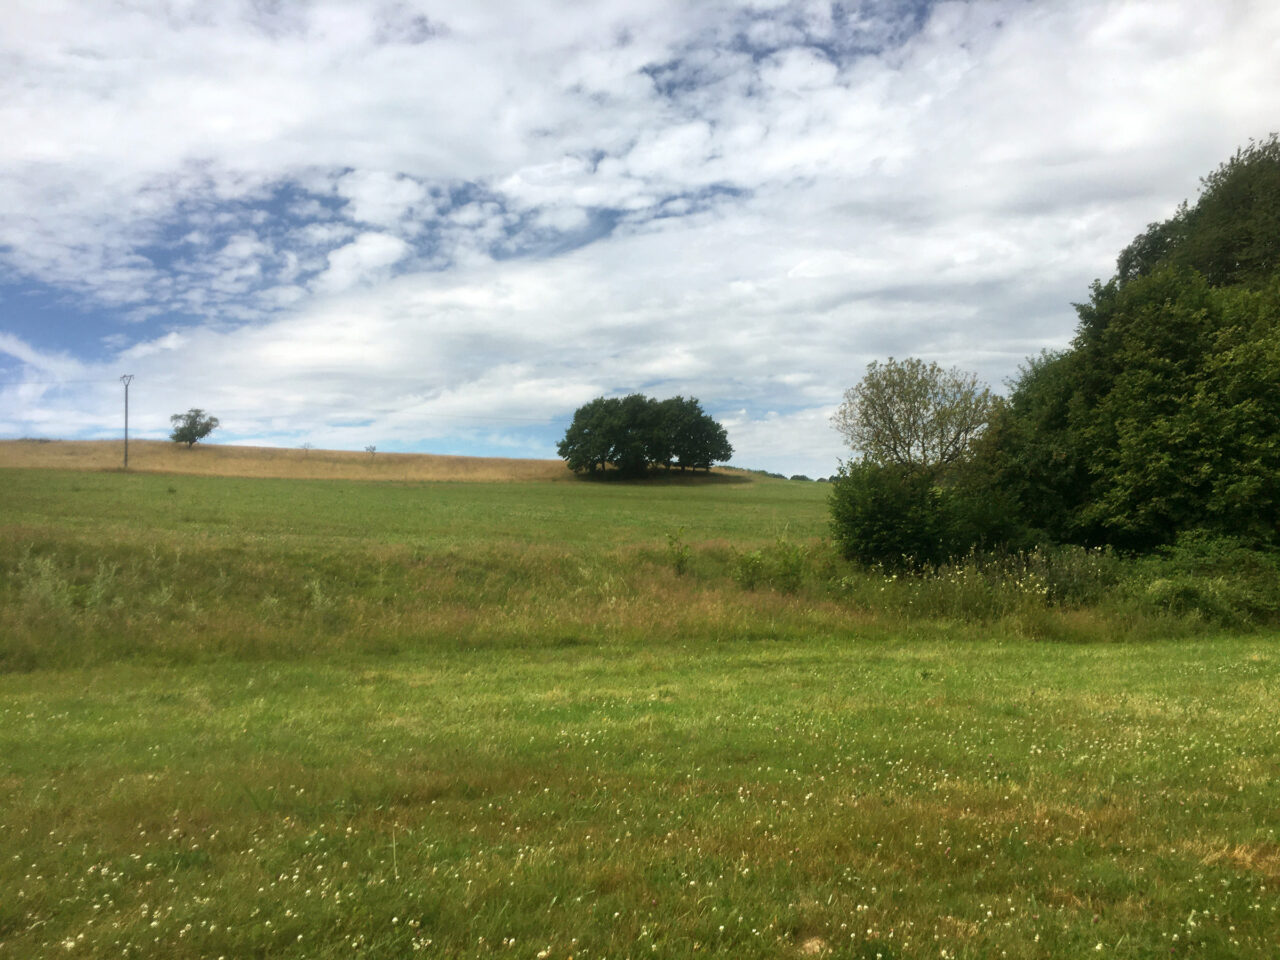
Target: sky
x,y
443,226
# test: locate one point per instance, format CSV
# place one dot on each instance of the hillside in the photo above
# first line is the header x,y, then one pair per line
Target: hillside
x,y
226,460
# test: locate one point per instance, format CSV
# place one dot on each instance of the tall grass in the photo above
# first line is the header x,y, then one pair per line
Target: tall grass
x,y
100,567
186,569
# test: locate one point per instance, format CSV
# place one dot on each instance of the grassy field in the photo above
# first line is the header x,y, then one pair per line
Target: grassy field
x,y
321,718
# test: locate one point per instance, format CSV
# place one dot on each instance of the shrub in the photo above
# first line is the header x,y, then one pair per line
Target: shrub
x,y
781,567
1216,579
888,516
749,570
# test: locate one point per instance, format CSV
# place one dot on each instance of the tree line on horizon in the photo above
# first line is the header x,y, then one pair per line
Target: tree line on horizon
x,y
1159,424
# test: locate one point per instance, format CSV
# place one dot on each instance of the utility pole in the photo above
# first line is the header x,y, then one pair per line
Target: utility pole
x,y
126,380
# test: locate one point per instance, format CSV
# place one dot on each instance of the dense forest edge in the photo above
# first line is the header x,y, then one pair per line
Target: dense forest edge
x,y
1154,437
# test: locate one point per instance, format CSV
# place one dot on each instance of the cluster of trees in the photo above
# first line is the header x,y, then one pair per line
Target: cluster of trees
x,y
1160,419
634,433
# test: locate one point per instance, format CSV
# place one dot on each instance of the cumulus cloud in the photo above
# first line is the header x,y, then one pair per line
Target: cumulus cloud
x,y
383,199
453,224
368,257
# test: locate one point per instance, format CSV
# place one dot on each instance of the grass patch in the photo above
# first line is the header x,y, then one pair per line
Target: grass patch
x,y
743,799
295,718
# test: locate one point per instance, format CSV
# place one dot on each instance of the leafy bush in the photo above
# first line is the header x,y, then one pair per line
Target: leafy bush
x,y
888,516
904,518
749,570
1219,580
1214,600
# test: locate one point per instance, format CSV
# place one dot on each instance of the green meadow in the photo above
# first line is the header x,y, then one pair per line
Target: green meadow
x,y
330,718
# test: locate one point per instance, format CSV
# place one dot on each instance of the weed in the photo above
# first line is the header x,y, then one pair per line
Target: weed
x,y
42,583
783,566
789,565
100,586
317,598
678,552
749,570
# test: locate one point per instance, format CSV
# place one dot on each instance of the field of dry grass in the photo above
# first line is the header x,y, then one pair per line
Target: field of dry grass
x,y
225,460
218,460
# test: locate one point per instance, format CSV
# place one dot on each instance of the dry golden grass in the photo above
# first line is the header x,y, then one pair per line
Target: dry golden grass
x,y
1259,858
156,456
225,460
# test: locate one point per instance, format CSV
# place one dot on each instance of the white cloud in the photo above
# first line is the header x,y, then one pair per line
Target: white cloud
x,y
169,343
400,214
383,199
368,257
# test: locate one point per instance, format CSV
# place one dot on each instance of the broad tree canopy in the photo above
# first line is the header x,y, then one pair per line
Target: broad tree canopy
x,y
192,426
912,414
636,432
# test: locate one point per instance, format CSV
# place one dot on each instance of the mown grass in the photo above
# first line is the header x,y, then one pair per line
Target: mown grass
x,y
274,719
859,796
579,515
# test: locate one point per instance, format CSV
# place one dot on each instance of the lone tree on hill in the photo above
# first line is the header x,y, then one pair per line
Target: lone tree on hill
x,y
192,426
636,432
